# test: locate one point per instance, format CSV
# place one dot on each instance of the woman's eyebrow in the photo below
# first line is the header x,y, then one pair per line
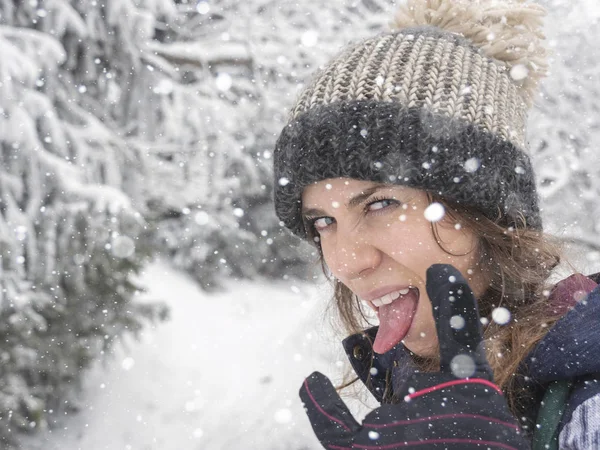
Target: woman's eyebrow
x,y
359,198
352,203
313,212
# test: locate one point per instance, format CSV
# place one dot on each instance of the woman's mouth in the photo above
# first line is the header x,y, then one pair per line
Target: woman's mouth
x,y
395,311
389,298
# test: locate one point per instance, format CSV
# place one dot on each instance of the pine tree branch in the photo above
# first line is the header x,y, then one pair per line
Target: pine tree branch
x,y
203,54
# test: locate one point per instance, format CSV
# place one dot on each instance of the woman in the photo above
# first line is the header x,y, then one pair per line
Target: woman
x,y
405,163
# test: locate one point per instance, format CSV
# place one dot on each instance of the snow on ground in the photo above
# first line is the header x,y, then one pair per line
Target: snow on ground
x,y
223,373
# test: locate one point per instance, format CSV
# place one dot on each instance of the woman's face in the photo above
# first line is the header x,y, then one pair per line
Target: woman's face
x,y
378,240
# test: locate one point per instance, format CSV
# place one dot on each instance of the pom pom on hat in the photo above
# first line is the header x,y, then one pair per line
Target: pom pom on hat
x,y
508,31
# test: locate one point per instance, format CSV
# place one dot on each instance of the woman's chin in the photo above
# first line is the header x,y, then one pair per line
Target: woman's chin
x,y
420,346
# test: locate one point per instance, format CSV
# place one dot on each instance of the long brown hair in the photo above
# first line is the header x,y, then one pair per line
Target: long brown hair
x,y
518,261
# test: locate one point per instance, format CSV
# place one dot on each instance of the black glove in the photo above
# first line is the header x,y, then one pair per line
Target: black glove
x,y
458,407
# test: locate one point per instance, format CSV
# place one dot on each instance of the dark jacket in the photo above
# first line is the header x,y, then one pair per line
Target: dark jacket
x,y
570,350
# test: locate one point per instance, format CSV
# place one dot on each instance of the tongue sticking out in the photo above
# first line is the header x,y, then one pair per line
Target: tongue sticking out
x,y
394,321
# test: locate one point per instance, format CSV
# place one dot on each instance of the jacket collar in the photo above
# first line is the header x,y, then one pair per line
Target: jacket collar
x,y
568,350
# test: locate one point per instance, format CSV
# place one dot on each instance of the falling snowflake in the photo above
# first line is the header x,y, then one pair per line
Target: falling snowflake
x,y
472,164
462,366
434,212
122,247
457,322
224,81
309,38
21,232
201,218
128,363
373,435
519,72
164,87
203,7
283,415
501,315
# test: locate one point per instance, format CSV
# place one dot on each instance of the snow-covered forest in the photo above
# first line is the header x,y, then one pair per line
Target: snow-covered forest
x,y
135,130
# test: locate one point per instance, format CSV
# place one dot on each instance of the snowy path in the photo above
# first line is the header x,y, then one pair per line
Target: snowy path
x,y
223,373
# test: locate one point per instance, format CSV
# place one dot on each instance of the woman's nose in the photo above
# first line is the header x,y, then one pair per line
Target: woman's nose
x,y
353,257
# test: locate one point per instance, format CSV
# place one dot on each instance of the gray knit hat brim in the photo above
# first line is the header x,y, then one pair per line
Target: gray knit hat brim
x,y
390,143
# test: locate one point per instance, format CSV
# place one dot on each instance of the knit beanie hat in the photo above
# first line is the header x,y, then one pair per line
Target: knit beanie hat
x,y
438,104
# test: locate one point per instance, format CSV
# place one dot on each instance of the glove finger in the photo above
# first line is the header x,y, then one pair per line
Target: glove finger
x,y
457,322
329,416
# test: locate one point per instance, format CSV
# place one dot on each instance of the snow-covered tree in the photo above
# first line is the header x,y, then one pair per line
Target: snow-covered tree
x,y
72,81
565,126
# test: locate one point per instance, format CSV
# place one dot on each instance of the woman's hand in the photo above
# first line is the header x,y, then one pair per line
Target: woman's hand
x,y
458,407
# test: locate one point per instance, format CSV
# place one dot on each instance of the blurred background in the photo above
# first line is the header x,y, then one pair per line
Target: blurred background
x,y
149,297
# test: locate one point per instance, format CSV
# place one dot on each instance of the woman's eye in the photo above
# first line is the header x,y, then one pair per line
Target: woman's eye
x,y
321,223
380,204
